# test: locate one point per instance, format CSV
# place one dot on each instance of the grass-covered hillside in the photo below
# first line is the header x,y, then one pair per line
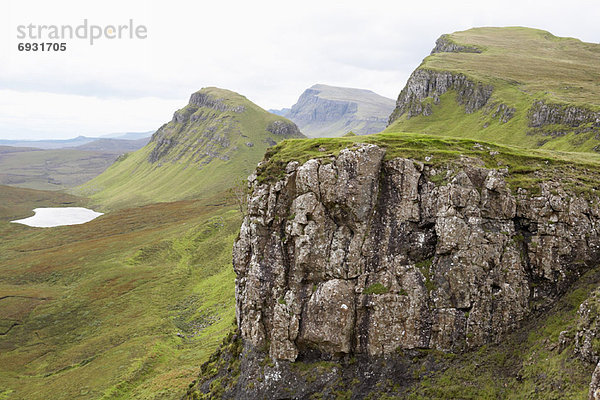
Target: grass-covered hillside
x,y
217,139
126,306
521,86
130,304
16,203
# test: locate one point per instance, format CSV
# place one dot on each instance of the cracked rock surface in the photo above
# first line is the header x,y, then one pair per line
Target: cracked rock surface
x,y
358,254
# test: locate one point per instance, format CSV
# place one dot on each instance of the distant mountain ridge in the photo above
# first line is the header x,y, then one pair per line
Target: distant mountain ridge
x,y
128,135
74,142
48,144
328,111
119,146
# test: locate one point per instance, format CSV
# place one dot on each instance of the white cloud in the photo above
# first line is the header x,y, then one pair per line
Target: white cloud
x,y
269,51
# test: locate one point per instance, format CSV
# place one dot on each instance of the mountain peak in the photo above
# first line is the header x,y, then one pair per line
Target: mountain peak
x,y
223,95
329,91
216,139
513,85
327,111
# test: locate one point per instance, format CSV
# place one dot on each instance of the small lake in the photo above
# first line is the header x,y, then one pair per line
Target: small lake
x,y
51,217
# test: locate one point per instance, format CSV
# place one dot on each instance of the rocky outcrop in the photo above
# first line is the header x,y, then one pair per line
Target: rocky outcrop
x,y
542,113
445,45
310,107
587,338
424,84
201,99
500,111
560,119
162,148
359,255
284,128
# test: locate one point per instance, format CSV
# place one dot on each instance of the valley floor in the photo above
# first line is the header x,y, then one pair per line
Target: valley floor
x,y
128,305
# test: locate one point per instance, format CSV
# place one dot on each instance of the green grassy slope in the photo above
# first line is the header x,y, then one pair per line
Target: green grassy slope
x,y
131,304
126,306
523,66
203,149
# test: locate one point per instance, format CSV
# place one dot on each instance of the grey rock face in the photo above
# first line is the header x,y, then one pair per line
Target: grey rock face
x,y
357,255
594,393
163,146
445,45
558,120
501,111
587,338
310,107
283,128
541,114
425,83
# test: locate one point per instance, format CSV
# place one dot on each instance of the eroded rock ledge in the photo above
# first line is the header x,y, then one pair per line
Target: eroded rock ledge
x,y
361,255
445,45
560,119
424,83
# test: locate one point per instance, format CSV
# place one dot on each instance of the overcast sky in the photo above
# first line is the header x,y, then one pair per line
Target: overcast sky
x,y
269,51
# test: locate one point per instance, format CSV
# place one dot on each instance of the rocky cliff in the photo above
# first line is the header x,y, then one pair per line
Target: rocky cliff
x,y
425,84
365,256
413,266
324,110
357,255
425,87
